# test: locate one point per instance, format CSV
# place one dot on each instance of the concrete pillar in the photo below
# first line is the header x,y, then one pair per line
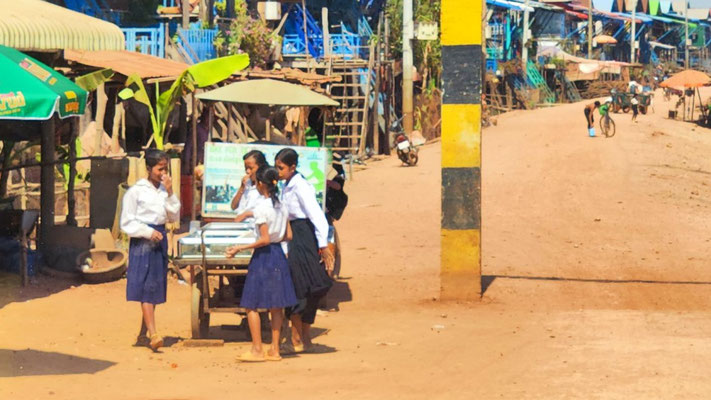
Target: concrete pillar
x,y
460,269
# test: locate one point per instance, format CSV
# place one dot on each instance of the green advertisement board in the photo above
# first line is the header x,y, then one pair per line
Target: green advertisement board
x,y
224,169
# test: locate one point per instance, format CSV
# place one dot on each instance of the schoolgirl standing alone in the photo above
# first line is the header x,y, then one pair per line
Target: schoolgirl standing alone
x,y
147,206
268,284
308,247
247,194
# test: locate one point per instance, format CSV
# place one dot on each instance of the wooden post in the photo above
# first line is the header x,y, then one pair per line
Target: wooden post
x,y
326,33
389,86
306,33
186,14
268,129
71,202
194,157
376,92
101,100
47,181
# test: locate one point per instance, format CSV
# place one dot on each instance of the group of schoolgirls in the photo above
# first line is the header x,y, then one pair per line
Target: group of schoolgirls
x,y
286,271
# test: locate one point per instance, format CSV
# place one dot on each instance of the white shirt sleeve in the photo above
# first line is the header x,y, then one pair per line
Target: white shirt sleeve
x,y
307,198
130,225
260,215
172,208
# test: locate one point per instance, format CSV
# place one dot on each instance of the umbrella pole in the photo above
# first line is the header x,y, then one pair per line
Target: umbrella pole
x,y
47,181
693,104
193,157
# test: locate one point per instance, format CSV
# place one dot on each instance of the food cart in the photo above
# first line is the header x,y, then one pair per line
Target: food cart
x,y
204,248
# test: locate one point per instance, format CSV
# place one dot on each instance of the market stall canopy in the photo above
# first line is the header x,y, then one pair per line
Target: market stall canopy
x,y
128,62
31,90
605,39
687,78
269,92
41,25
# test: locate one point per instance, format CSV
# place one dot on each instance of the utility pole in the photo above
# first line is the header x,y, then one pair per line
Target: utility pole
x,y
686,35
460,229
634,31
590,28
407,33
524,49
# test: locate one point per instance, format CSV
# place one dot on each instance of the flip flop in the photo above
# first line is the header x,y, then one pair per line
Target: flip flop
x,y
156,342
270,357
289,348
250,357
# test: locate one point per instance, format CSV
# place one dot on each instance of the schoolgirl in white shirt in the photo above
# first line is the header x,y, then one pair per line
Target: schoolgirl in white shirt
x,y
268,284
147,206
308,247
247,195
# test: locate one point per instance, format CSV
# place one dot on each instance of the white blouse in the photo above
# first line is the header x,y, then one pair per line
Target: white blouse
x,y
299,197
249,198
276,218
145,204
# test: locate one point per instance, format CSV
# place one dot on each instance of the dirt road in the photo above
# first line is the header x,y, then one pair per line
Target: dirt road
x,y
595,256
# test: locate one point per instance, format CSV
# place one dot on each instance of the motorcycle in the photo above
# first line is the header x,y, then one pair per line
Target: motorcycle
x,y
406,152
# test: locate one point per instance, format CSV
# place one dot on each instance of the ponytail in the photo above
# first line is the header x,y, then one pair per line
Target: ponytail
x,y
269,177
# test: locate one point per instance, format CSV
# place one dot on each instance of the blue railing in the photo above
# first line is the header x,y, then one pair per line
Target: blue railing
x,y
200,43
145,40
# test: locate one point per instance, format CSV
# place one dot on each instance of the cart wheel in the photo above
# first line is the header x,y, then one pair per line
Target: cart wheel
x,y
615,108
643,109
199,319
626,109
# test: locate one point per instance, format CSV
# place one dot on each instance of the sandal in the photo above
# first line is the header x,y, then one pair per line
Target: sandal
x,y
156,342
290,348
250,357
270,357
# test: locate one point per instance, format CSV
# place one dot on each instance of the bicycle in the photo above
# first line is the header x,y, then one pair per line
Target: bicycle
x,y
607,125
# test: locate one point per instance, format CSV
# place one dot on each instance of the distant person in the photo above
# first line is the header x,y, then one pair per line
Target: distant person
x,y
147,206
635,107
589,111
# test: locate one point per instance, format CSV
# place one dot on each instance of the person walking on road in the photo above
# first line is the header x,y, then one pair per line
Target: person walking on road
x,y
635,108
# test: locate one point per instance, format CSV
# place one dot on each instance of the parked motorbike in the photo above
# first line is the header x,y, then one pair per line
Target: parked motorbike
x,y
406,152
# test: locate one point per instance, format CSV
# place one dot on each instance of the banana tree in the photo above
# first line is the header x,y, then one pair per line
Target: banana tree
x,y
200,75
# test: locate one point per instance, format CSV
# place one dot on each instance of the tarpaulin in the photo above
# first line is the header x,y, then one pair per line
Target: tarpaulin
x,y
604,5
664,6
653,7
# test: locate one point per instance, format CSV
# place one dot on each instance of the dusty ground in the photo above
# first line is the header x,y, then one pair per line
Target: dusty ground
x,y
595,253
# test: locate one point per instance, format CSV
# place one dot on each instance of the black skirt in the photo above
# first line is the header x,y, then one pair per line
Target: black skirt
x,y
307,272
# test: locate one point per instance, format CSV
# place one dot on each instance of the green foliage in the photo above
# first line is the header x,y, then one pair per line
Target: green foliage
x,y
248,34
427,54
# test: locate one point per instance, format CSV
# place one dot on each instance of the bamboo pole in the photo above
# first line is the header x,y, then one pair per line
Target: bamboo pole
x,y
194,157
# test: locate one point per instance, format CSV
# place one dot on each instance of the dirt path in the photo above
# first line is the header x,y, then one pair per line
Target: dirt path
x,y
595,255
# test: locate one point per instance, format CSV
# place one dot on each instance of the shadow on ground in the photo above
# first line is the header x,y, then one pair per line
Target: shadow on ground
x,y
14,363
11,290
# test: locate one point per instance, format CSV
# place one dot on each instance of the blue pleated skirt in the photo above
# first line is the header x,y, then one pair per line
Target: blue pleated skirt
x,y
147,274
268,283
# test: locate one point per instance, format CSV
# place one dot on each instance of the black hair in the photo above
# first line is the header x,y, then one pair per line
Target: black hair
x,y
597,104
288,156
258,157
153,157
269,177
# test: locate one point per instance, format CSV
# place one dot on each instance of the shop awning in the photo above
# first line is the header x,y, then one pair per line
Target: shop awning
x,y
268,92
645,19
510,5
128,62
40,25
661,45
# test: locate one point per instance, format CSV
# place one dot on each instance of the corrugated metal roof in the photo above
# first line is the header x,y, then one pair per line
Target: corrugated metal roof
x,y
39,25
128,62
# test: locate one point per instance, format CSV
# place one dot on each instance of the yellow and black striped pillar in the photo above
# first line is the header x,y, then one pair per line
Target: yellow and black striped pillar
x,y
460,269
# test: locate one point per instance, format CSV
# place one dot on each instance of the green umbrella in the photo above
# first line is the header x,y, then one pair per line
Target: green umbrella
x,y
30,90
